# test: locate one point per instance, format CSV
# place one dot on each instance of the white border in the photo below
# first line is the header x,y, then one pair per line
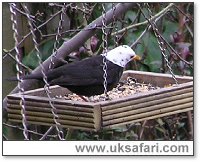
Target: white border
x,y
20,146
107,148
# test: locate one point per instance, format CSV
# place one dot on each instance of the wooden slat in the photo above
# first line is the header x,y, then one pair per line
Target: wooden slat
x,y
55,90
50,120
50,124
47,105
142,98
41,99
138,110
139,104
146,114
47,110
149,118
50,115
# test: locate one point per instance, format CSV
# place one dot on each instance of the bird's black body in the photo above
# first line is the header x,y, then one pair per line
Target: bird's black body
x,y
83,77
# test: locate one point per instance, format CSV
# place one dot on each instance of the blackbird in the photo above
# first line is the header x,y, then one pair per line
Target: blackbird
x,y
85,77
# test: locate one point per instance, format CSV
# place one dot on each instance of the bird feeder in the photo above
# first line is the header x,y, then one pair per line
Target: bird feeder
x,y
106,114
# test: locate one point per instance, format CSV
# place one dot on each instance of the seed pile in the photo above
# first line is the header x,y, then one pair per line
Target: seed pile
x,y
124,88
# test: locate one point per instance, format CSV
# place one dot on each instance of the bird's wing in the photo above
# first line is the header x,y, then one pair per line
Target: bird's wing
x,y
87,72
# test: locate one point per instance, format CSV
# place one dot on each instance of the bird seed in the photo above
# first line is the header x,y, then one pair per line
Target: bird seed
x,y
128,87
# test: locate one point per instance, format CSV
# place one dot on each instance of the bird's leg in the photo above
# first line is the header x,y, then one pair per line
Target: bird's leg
x,y
87,99
91,99
84,98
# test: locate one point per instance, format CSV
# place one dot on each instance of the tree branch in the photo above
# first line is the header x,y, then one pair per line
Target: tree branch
x,y
144,22
74,43
145,30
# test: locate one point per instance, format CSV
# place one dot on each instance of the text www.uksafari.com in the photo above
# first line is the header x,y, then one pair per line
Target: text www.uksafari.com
x,y
139,148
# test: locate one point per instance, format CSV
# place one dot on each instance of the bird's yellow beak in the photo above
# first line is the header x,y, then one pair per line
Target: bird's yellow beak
x,y
137,58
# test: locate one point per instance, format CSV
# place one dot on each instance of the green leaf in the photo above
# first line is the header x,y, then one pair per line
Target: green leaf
x,y
46,48
160,129
160,122
130,15
169,28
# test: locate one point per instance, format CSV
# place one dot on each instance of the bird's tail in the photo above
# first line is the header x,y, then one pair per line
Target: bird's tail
x,y
31,76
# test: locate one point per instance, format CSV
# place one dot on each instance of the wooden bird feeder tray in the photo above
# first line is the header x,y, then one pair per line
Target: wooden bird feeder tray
x,y
106,114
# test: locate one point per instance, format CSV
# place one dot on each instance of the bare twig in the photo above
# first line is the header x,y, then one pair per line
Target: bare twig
x,y
173,50
142,129
160,42
33,132
47,133
40,26
189,30
86,12
144,22
21,64
165,41
140,37
146,29
183,12
5,137
75,30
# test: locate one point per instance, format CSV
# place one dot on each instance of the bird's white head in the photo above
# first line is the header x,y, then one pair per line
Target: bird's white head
x,y
121,55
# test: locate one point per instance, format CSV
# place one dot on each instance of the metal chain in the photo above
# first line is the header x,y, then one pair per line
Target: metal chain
x,y
105,45
160,41
55,50
86,9
58,34
46,87
18,67
115,25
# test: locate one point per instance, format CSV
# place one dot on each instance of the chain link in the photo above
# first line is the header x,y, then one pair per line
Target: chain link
x,y
86,9
115,25
55,49
105,45
159,40
58,34
46,87
19,69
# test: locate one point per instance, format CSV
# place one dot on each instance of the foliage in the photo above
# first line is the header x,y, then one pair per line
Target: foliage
x,y
45,48
168,128
171,26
